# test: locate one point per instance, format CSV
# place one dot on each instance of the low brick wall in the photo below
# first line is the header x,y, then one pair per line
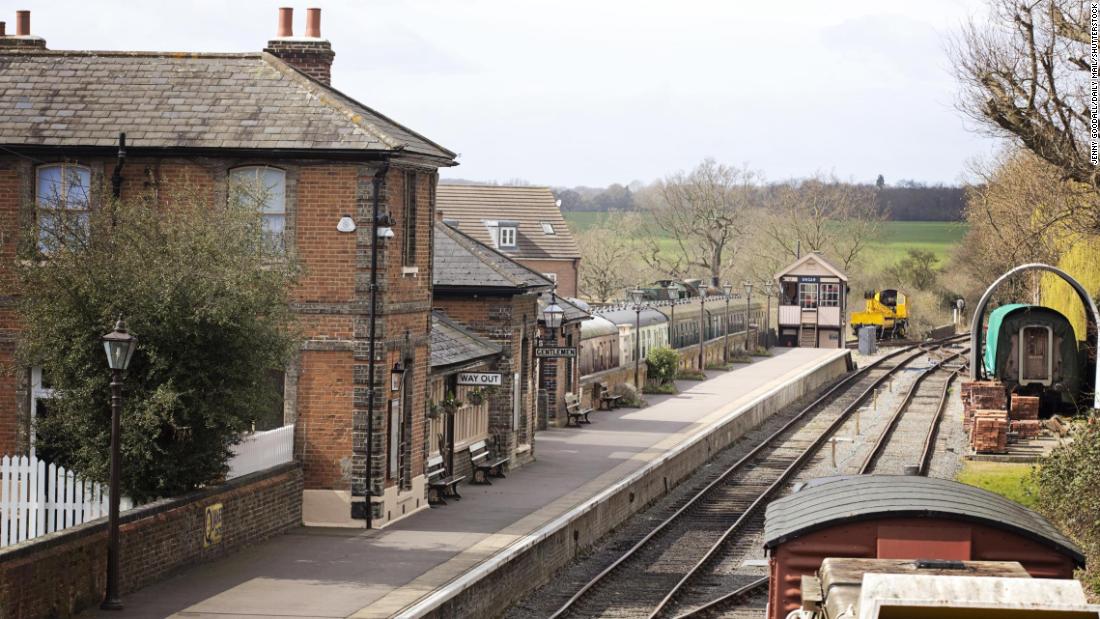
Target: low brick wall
x,y
533,561
609,379
60,574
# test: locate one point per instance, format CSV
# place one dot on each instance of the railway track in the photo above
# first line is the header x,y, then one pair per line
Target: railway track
x,y
648,579
916,418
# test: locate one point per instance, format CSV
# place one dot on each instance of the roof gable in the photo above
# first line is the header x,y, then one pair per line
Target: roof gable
x,y
186,100
462,262
528,208
813,263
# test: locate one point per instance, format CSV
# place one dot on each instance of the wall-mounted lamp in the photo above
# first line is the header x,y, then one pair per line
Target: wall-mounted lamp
x,y
385,227
347,224
396,374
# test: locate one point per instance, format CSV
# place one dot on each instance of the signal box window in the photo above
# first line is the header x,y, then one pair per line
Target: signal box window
x,y
830,295
807,295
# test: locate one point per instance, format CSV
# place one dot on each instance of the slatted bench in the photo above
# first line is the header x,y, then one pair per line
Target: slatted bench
x,y
441,487
484,464
576,413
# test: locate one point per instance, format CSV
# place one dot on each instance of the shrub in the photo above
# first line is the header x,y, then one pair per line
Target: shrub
x,y
664,388
661,365
1068,495
206,294
690,375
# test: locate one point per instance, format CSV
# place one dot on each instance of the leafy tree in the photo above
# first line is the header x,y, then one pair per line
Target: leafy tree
x,y
662,364
205,291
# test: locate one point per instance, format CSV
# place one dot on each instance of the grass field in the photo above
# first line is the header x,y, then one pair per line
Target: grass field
x,y
894,239
1011,481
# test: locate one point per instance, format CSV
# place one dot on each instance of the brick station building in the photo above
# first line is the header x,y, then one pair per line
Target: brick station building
x,y
199,121
496,298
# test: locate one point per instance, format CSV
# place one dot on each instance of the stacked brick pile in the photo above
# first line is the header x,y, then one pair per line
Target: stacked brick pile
x,y
1024,416
990,434
985,415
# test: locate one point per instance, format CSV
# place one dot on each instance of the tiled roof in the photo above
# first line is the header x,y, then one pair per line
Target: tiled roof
x,y
529,207
185,100
463,262
453,344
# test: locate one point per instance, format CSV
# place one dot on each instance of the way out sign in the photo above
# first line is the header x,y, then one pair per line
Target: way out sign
x,y
480,379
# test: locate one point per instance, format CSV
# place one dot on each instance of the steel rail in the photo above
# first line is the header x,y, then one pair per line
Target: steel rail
x,y
883,439
794,468
933,428
824,398
720,603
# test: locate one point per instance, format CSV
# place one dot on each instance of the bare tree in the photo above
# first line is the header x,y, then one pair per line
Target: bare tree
x,y
821,214
696,221
607,262
1025,75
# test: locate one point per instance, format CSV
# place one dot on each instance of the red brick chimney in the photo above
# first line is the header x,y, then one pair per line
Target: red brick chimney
x,y
310,54
22,39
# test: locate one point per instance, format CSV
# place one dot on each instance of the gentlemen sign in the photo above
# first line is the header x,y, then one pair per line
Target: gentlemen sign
x,y
481,379
555,352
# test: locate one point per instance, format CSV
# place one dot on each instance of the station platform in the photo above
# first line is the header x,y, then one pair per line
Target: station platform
x,y
584,482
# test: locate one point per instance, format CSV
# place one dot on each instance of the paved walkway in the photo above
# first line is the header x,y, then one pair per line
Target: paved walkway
x,y
341,573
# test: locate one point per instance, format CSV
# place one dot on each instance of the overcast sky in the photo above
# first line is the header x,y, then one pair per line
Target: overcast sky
x,y
591,92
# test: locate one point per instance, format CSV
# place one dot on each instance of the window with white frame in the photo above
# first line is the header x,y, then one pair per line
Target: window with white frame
x,y
548,228
265,188
807,295
62,200
508,236
41,393
830,295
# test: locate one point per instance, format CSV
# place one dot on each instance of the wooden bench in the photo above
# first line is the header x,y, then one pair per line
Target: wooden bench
x,y
576,413
484,465
441,487
609,400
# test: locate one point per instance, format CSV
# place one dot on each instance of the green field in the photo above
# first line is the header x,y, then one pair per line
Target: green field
x,y
894,239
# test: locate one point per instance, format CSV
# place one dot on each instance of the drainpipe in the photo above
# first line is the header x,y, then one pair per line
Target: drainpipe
x,y
116,178
379,177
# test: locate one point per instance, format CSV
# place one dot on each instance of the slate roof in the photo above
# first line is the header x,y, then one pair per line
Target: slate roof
x,y
849,499
186,100
453,344
528,207
461,262
573,312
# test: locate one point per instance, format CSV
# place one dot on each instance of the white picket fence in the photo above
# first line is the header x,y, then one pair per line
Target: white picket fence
x,y
37,498
262,450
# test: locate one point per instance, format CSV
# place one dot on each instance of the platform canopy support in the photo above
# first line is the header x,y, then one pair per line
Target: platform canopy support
x,y
1092,315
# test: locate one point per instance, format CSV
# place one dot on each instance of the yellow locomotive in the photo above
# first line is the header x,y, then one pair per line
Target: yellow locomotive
x,y
887,311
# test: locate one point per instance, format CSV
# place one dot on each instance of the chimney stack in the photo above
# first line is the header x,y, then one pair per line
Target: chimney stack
x,y
311,54
22,39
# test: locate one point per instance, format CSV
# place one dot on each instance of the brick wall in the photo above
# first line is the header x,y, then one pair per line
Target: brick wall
x,y
60,574
565,269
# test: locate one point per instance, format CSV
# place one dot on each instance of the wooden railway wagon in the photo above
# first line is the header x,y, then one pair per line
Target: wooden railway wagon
x,y
907,518
653,330
599,349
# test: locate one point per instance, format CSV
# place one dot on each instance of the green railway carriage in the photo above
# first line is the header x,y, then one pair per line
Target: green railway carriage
x,y
1034,350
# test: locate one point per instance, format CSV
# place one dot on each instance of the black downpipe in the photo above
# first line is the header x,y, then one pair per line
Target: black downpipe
x,y
116,178
379,177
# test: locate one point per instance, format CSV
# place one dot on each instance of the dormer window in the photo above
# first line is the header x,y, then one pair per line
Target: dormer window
x,y
508,236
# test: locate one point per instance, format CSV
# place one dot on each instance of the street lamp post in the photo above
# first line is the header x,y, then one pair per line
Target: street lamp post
x,y
702,327
748,304
727,288
768,315
637,295
119,346
672,316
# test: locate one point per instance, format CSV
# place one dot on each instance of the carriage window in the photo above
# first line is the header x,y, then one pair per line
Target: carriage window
x,y
830,295
807,295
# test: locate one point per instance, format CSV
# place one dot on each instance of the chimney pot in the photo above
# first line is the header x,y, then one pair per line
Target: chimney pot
x,y
313,23
23,23
286,22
